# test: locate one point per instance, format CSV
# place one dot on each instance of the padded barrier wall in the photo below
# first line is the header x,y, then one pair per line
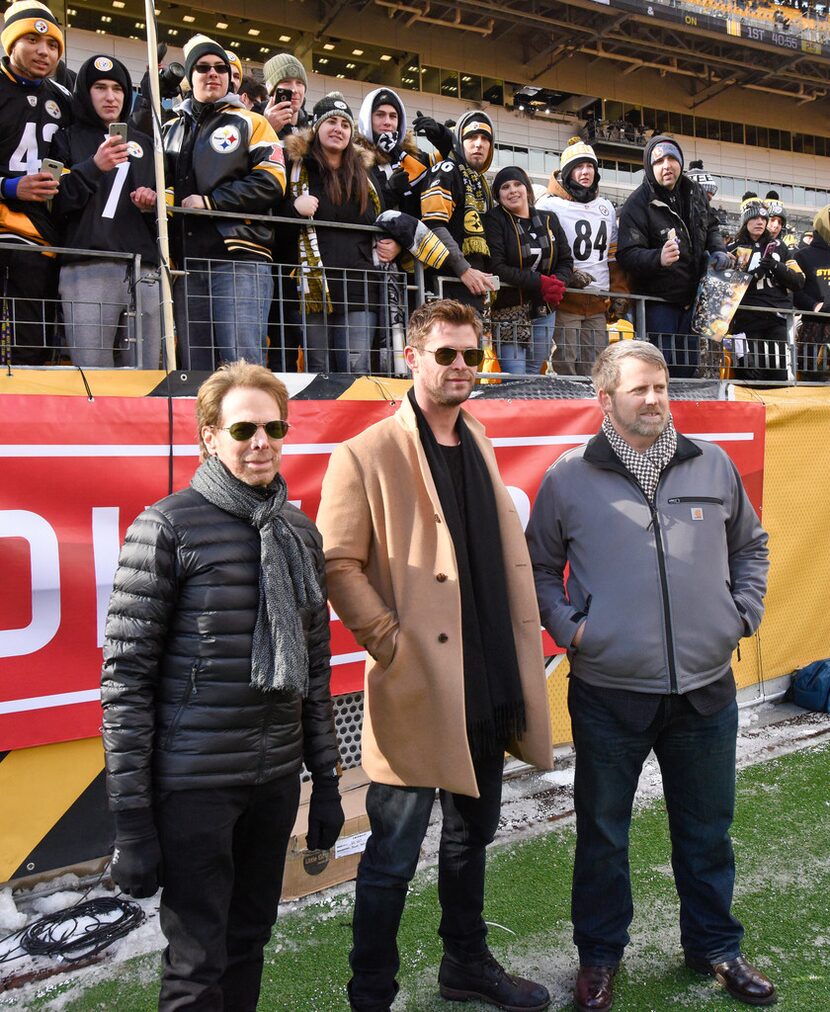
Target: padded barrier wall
x,y
54,810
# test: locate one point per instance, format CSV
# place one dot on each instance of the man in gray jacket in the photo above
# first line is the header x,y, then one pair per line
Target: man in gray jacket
x,y
668,568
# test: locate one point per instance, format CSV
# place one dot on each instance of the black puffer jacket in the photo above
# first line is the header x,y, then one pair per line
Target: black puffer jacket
x,y
179,710
645,220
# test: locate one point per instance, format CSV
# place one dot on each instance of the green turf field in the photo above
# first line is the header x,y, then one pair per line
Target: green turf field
x,y
782,842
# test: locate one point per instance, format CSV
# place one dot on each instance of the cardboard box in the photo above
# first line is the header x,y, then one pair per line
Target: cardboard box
x,y
311,871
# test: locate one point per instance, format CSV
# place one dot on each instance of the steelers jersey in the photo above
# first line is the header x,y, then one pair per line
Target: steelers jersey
x,y
592,233
29,119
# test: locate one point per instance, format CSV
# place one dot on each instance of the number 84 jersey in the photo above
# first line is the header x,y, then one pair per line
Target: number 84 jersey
x,y
591,229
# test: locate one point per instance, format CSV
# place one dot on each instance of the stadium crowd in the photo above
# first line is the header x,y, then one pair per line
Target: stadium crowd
x,y
328,283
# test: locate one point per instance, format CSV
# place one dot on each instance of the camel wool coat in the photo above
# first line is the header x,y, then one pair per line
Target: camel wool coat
x,y
393,580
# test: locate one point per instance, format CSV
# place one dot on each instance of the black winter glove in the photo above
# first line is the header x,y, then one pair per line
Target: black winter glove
x,y
398,182
325,812
136,860
775,268
439,136
721,261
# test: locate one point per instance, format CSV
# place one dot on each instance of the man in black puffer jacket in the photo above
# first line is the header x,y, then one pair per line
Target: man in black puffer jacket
x,y
667,233
215,689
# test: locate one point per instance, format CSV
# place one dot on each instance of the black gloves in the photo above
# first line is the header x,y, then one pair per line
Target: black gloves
x,y
439,136
136,860
721,261
775,268
398,182
325,812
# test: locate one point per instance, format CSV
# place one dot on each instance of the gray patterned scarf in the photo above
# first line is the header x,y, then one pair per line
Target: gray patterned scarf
x,y
287,578
646,467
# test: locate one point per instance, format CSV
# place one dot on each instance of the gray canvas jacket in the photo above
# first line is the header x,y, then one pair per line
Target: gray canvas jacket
x,y
667,593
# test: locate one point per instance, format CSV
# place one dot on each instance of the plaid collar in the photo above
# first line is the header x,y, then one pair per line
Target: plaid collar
x,y
646,467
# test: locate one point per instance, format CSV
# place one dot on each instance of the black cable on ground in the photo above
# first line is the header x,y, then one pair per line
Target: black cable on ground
x,y
82,930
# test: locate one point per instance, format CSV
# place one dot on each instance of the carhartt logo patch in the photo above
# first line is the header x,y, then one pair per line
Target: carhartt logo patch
x,y
697,512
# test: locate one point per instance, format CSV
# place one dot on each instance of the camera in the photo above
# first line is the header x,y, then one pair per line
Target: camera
x,y
171,76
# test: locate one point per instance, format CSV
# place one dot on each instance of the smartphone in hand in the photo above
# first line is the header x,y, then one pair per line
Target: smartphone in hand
x,y
118,130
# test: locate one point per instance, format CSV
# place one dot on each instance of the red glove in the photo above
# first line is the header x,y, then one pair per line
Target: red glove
x,y
552,289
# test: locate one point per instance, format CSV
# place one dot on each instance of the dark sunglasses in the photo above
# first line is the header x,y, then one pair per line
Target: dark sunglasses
x,y
205,68
446,356
242,431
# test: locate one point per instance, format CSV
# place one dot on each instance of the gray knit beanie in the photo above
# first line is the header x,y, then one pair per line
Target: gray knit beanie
x,y
280,68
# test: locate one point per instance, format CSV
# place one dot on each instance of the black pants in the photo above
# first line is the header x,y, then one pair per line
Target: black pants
x,y
399,818
223,853
28,290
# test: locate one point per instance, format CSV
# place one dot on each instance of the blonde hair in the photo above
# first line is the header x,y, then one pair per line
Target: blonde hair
x,y
234,374
606,370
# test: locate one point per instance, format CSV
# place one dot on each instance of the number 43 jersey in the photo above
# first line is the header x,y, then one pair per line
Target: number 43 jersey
x,y
30,116
591,229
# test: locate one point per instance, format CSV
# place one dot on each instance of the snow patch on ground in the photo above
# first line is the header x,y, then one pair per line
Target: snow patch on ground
x,y
533,803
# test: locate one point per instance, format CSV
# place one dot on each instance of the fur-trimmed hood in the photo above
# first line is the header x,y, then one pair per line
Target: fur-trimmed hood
x,y
298,146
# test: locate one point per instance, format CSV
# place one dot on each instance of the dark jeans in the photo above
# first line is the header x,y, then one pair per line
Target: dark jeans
x,y
223,852
696,754
669,327
399,817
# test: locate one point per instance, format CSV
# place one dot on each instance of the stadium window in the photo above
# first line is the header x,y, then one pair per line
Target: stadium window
x,y
751,134
799,195
431,80
798,143
520,158
449,83
471,87
763,137
540,160
786,194
809,147
821,145
492,90
661,121
786,140
613,111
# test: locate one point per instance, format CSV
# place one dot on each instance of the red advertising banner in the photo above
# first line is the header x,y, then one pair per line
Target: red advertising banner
x,y
76,472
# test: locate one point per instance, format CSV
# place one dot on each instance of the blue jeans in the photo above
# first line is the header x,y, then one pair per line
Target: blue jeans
x,y
399,817
348,336
669,327
519,359
696,754
224,305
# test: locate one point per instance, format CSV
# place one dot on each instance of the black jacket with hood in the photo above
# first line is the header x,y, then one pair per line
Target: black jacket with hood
x,y
646,219
94,207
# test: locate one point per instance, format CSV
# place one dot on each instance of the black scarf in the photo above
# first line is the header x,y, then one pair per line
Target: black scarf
x,y
526,230
581,194
492,686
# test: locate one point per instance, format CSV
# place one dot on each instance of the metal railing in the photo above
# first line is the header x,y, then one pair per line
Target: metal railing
x,y
229,308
